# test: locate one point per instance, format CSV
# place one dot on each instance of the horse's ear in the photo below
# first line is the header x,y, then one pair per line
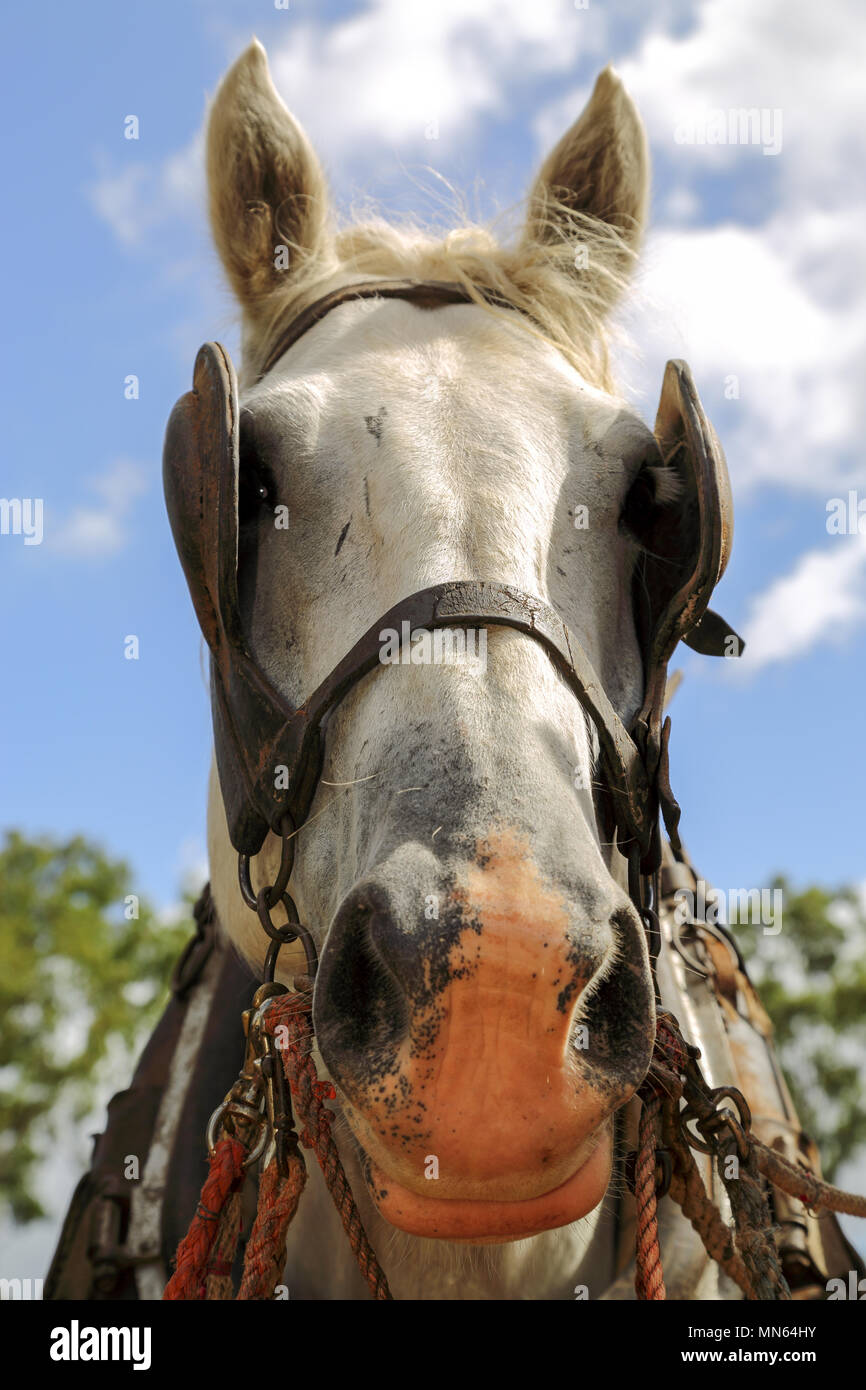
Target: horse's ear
x,y
266,186
599,169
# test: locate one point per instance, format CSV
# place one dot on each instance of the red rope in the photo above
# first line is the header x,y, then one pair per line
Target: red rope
x,y
292,1011
206,1253
649,1280
225,1174
265,1257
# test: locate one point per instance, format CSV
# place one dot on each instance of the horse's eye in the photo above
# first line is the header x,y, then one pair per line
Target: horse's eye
x,y
652,489
254,485
640,505
253,494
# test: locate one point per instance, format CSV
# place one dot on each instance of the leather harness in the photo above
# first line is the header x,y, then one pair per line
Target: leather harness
x,y
256,729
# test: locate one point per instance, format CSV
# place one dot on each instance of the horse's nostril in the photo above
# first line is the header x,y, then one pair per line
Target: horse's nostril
x,y
360,1008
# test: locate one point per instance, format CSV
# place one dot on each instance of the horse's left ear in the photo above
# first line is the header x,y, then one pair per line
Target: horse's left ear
x,y
600,169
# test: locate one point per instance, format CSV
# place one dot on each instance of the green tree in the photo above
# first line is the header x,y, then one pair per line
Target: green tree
x,y
80,976
811,977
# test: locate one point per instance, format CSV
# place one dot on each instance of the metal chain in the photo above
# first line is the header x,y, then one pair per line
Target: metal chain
x,y
267,898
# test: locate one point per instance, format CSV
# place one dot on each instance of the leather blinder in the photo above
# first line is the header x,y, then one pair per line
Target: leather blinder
x,y
200,476
686,543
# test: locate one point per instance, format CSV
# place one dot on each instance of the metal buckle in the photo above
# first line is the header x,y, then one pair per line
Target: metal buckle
x,y
259,1098
698,927
277,1096
710,1120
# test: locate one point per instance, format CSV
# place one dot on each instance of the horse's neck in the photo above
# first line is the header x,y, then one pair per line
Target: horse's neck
x,y
573,1262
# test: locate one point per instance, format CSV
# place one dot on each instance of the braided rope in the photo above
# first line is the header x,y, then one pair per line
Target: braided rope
x,y
225,1173
649,1279
309,1093
266,1253
754,1231
218,1285
748,1255
811,1191
688,1191
750,1258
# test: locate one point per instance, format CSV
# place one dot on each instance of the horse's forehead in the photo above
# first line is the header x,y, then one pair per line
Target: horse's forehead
x,y
429,357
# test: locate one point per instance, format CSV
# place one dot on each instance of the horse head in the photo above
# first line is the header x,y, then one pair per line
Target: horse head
x,y
484,998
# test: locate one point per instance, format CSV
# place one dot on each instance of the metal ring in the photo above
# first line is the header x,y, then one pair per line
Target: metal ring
x,y
293,930
274,948
692,1139
665,1163
264,908
287,859
725,1120
210,1132
738,1100
724,933
246,883
653,931
691,961
285,938
254,1153
276,890
708,1125
712,929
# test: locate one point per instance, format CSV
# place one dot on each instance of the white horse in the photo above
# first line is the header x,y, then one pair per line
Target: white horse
x,y
469,913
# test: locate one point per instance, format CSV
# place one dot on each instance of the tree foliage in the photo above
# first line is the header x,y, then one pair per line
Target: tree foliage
x,y
812,981
81,977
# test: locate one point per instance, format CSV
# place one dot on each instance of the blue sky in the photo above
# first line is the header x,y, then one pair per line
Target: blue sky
x,y
753,269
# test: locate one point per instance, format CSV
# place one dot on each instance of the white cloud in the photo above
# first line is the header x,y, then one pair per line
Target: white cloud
x,y
682,205
378,80
822,599
120,199
758,53
139,197
780,302
100,529
192,868
760,305
192,862
382,81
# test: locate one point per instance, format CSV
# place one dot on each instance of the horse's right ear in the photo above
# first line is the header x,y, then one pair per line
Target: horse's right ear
x,y
600,170
266,187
